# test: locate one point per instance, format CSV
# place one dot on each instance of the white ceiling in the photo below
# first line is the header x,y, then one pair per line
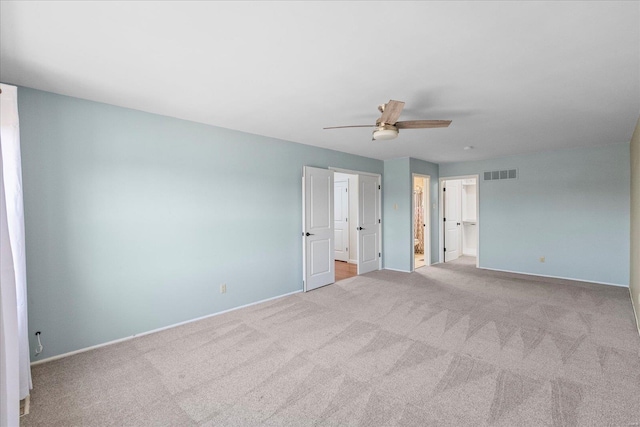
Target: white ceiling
x,y
515,77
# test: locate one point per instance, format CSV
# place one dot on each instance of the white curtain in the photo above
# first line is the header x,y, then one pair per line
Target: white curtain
x,y
15,372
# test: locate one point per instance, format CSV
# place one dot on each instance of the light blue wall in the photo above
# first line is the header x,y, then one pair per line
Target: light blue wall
x,y
396,214
133,220
426,168
571,206
398,191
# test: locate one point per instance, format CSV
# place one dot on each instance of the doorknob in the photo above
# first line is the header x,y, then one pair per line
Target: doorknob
x,y
309,234
457,223
359,228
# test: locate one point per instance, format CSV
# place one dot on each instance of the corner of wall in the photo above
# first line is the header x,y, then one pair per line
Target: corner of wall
x,y
636,313
634,252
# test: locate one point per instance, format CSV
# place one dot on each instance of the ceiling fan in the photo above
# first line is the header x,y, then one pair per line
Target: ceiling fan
x,y
387,126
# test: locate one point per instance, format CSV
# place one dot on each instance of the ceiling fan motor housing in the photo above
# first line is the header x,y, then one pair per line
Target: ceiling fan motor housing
x,y
385,131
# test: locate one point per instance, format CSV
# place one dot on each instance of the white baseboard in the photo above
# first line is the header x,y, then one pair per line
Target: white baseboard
x,y
353,261
635,312
395,269
555,277
93,347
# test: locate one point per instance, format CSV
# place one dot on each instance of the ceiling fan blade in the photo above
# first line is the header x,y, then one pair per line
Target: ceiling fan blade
x,y
352,126
423,124
391,112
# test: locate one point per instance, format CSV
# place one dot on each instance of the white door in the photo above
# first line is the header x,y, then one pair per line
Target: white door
x,y
368,224
317,228
452,211
341,220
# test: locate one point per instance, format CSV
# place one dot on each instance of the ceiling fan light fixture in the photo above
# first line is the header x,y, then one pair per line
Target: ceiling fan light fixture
x,y
385,132
387,125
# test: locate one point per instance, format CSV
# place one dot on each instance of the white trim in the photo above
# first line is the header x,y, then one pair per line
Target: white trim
x,y
352,172
556,277
93,347
395,269
441,214
633,305
352,261
304,243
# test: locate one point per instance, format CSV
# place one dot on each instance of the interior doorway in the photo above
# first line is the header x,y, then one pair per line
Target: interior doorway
x,y
345,212
318,225
459,201
345,270
421,220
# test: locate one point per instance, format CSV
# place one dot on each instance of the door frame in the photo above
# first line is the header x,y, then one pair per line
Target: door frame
x,y
426,195
441,214
379,178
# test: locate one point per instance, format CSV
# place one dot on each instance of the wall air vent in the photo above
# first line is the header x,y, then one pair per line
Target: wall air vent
x,y
500,175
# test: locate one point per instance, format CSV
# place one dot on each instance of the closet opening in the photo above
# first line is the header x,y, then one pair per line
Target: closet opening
x,y
459,201
421,242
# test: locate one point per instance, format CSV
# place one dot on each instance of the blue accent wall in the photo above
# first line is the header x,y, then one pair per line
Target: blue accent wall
x,y
396,214
134,220
570,206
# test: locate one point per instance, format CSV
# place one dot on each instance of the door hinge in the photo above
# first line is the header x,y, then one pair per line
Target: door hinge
x,y
444,189
346,190
444,219
379,254
379,188
378,221
346,249
445,249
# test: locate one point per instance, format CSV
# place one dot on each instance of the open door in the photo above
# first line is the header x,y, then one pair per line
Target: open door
x,y
341,219
452,219
317,228
368,224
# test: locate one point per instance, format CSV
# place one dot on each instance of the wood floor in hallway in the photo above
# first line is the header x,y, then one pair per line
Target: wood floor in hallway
x,y
344,270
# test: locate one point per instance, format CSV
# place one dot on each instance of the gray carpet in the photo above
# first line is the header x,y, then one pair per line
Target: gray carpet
x,y
449,345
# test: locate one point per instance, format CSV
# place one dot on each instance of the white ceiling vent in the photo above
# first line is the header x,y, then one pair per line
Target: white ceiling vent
x,y
502,174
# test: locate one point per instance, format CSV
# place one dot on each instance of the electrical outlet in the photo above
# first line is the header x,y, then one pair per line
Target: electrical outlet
x,y
223,288
541,259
